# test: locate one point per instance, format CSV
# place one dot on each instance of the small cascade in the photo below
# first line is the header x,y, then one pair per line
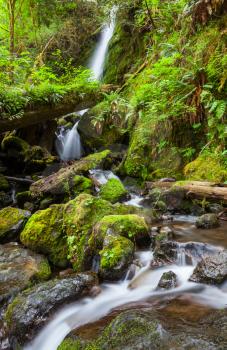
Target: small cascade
x,y
68,144
98,59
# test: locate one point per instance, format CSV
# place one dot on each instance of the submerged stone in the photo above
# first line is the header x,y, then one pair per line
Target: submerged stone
x,y
12,221
19,267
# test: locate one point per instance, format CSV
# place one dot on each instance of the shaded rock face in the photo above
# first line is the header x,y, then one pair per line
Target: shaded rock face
x,y
167,281
207,221
62,182
32,308
211,270
12,221
18,268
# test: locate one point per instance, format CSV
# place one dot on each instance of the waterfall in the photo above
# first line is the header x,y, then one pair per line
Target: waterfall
x,y
98,59
68,144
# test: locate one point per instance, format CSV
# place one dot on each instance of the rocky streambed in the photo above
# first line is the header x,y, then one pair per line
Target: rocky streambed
x,y
109,264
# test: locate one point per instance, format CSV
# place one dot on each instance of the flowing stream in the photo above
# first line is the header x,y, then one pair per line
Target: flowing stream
x,y
142,287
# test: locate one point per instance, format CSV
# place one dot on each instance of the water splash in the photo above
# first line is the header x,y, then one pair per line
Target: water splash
x,y
98,58
68,144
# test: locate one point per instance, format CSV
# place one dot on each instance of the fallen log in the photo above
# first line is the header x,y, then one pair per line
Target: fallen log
x,y
40,113
196,189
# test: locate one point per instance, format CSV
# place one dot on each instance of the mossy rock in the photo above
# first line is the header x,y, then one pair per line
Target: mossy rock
x,y
134,330
63,182
130,226
15,143
12,221
206,167
43,233
80,215
4,184
81,184
115,257
71,344
113,191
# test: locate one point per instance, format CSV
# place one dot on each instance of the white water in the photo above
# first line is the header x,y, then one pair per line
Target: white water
x,y
68,144
101,177
143,286
98,58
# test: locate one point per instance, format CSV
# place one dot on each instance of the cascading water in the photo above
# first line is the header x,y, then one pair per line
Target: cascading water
x,y
68,144
98,59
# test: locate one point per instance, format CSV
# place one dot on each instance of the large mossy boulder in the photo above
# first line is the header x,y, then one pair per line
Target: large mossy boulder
x,y
32,308
80,215
130,226
12,221
208,167
115,257
43,233
113,191
19,267
61,184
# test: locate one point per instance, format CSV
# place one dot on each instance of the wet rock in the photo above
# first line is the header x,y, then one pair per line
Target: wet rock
x,y
61,183
4,184
18,268
116,257
134,330
167,281
43,233
113,191
130,226
12,221
5,199
211,270
207,221
215,208
33,307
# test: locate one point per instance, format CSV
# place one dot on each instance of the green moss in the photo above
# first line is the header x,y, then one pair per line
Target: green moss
x,y
71,344
80,215
116,249
130,226
43,272
4,184
23,197
206,167
10,218
16,143
43,233
113,191
81,184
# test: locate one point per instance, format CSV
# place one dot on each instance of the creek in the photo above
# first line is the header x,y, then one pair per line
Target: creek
x,y
90,315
